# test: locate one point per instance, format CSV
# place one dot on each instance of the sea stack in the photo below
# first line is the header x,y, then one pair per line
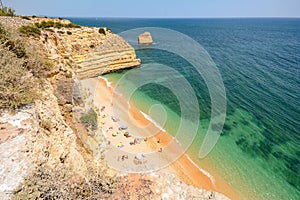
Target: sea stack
x,y
145,38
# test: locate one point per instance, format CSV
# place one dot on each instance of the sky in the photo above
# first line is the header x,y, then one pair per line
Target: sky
x,y
157,8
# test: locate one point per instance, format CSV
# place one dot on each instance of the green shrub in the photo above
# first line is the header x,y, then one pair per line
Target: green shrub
x,y
90,119
29,30
6,11
49,29
69,32
50,24
71,25
102,31
25,17
92,46
57,25
61,32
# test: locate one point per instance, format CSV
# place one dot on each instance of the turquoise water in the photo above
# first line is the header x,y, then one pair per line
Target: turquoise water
x,y
259,60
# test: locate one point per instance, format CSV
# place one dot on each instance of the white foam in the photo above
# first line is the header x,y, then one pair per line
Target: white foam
x,y
152,121
106,82
109,85
211,178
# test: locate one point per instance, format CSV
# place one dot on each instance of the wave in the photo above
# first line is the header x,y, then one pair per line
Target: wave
x,y
211,177
152,121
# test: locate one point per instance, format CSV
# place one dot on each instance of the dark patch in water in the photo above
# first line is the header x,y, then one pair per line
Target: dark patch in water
x,y
245,122
216,127
227,127
264,148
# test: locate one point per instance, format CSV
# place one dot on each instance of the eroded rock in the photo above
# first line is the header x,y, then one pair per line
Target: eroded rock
x,y
145,38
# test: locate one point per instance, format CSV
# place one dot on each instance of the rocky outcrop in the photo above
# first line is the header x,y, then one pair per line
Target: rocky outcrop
x,y
112,55
87,50
145,38
93,53
15,163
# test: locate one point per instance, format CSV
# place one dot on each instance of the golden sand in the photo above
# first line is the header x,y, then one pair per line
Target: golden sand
x,y
184,169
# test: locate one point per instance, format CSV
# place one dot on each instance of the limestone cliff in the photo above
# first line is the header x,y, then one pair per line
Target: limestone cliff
x,y
112,55
94,53
87,50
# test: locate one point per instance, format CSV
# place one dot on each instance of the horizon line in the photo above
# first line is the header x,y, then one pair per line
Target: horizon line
x,y
229,17
187,17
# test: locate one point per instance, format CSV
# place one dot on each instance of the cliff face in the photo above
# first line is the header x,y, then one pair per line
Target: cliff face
x,y
94,54
112,55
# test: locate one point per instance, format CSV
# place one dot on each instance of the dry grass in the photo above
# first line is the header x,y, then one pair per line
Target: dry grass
x,y
21,70
60,183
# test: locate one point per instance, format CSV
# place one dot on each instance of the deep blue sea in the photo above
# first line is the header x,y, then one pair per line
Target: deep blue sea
x,y
259,60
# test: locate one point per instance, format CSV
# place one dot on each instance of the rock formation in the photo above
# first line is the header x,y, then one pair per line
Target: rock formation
x,y
145,38
94,53
112,55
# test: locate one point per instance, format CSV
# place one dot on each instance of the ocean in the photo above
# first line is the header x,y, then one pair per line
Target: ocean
x,y
258,152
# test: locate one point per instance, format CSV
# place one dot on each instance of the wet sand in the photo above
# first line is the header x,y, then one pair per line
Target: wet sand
x,y
114,110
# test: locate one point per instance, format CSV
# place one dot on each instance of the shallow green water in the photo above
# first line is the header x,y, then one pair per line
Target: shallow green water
x,y
236,162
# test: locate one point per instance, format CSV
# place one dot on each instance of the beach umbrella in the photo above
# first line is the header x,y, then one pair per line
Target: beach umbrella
x,y
114,134
139,156
123,127
120,145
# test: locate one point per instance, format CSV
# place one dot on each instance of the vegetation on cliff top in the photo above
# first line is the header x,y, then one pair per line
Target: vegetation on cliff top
x,y
52,24
34,30
102,31
21,70
29,30
6,11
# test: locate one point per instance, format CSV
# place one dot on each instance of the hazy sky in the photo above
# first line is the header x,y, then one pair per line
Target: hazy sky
x,y
157,8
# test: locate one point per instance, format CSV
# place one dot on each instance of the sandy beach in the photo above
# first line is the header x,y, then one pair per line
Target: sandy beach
x,y
139,134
